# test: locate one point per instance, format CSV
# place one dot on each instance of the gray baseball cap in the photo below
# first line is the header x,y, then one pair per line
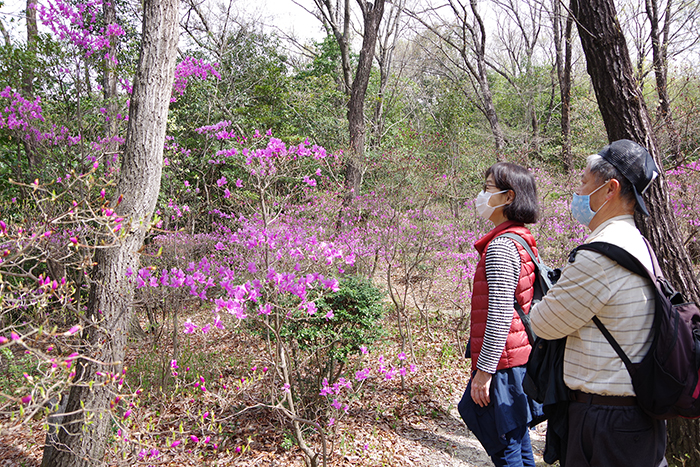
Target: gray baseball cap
x,y
635,163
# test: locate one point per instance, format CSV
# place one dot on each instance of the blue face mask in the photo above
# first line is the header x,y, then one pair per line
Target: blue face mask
x,y
581,207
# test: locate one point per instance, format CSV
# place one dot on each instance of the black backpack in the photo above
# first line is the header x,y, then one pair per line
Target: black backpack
x,y
667,380
545,277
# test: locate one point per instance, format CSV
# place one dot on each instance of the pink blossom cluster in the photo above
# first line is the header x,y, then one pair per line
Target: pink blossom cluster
x,y
218,131
19,112
338,393
192,67
683,182
21,115
78,24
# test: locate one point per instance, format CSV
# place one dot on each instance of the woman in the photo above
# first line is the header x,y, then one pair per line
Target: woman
x,y
494,405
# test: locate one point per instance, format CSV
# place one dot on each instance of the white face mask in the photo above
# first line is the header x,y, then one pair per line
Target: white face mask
x,y
482,204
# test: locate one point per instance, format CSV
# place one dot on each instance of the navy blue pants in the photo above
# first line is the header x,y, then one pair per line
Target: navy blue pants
x,y
502,426
518,452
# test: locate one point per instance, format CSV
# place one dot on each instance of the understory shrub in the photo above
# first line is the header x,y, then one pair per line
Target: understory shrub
x,y
345,321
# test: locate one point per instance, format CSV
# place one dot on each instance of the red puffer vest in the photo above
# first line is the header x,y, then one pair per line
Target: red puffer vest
x,y
517,348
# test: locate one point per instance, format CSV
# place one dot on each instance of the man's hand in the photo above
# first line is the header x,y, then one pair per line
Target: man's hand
x,y
481,385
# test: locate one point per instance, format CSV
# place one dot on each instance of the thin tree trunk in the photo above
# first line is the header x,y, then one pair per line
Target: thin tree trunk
x,y
82,434
32,36
28,74
479,35
625,116
110,84
339,25
5,35
467,36
660,72
372,15
387,45
563,62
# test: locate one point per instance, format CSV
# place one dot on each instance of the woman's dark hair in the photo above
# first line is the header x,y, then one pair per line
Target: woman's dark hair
x,y
506,176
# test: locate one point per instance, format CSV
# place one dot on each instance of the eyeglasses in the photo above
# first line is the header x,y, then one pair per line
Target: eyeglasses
x,y
488,186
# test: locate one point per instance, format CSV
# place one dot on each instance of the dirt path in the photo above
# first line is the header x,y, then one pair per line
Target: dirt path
x,y
448,443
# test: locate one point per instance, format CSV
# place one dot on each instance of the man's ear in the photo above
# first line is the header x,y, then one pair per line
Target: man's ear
x,y
613,188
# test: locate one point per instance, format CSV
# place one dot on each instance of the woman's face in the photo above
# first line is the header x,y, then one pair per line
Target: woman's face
x,y
490,187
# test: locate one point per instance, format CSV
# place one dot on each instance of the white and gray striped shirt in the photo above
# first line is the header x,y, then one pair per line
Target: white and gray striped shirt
x,y
502,274
623,301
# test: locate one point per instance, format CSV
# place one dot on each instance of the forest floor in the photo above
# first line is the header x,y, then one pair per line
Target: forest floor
x,y
417,425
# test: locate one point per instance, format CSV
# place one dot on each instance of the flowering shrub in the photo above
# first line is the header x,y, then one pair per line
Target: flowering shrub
x,y
322,339
685,200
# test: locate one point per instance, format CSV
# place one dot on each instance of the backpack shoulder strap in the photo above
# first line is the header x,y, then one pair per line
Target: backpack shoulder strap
x,y
521,313
621,256
657,272
524,244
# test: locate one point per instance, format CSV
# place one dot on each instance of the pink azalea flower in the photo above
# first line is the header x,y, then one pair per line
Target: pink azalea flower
x,y
190,327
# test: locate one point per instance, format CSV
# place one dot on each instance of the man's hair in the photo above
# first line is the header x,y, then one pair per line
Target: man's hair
x,y
506,176
603,170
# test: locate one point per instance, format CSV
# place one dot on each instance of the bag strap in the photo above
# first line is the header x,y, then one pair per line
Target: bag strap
x,y
619,255
521,313
613,343
627,261
656,268
524,244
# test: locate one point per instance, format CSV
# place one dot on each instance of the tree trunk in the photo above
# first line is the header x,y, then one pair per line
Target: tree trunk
x,y
625,116
81,443
563,62
32,36
683,437
660,72
385,54
372,15
109,84
340,27
28,74
467,36
478,33
5,35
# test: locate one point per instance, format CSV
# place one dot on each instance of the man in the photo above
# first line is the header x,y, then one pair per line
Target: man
x,y
606,426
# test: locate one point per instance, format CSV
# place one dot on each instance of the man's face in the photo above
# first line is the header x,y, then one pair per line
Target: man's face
x,y
589,184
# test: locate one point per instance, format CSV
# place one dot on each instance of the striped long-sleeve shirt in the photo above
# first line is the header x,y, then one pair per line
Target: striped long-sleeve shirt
x,y
502,273
595,285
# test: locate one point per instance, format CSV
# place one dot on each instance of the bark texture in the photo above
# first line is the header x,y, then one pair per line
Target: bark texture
x,y
658,48
109,82
562,45
28,75
372,16
85,426
625,116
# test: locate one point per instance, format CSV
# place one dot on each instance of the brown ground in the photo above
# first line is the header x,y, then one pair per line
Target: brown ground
x,y
418,426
